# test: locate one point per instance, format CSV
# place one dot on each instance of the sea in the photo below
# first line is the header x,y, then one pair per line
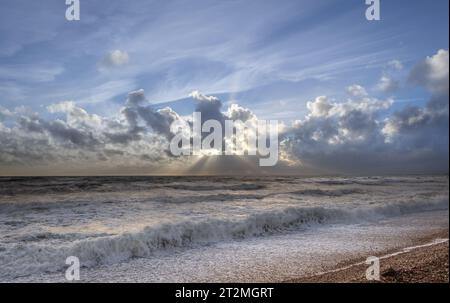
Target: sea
x,y
209,228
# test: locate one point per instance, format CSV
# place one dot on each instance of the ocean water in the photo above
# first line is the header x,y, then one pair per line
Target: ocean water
x,y
186,229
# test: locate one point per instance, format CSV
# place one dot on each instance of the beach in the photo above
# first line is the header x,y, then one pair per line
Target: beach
x,y
220,229
425,263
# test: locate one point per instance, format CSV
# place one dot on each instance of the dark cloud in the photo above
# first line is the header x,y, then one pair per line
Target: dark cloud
x,y
335,135
209,106
351,136
137,109
59,130
159,121
136,98
137,134
425,130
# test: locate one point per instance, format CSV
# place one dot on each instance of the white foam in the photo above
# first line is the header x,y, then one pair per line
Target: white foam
x,y
28,258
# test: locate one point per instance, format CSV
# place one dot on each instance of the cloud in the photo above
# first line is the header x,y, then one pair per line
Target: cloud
x,y
203,98
425,127
432,73
76,116
417,124
387,84
320,107
352,136
339,123
395,64
115,58
237,112
136,98
137,137
158,120
356,135
59,130
139,118
357,91
4,113
208,106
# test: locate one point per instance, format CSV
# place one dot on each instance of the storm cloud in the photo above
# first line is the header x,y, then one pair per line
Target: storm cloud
x,y
353,137
358,134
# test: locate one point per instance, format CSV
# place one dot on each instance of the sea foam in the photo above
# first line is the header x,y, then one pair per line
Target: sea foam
x,y
25,258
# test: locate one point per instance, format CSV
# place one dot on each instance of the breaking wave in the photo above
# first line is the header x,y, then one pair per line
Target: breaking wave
x,y
23,259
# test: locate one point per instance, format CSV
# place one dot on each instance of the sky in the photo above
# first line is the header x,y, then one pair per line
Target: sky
x,y
97,96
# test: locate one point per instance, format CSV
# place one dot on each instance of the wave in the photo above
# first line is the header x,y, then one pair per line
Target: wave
x,y
245,186
327,192
39,236
18,186
29,258
380,181
208,198
233,197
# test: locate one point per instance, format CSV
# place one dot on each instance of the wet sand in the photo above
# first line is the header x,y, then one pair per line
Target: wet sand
x,y
426,263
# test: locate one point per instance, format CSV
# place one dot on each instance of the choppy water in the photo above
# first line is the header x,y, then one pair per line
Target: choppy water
x,y
107,221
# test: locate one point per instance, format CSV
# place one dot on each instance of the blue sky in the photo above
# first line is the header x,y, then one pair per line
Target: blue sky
x,y
293,50
271,57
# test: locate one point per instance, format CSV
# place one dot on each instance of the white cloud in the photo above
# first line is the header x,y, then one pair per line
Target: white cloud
x,y
395,64
352,135
433,72
423,125
357,91
81,139
115,58
237,112
200,97
320,107
340,122
4,113
62,107
387,84
76,116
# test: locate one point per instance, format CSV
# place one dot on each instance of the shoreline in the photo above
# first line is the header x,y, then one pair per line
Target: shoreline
x,y
299,255
425,262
